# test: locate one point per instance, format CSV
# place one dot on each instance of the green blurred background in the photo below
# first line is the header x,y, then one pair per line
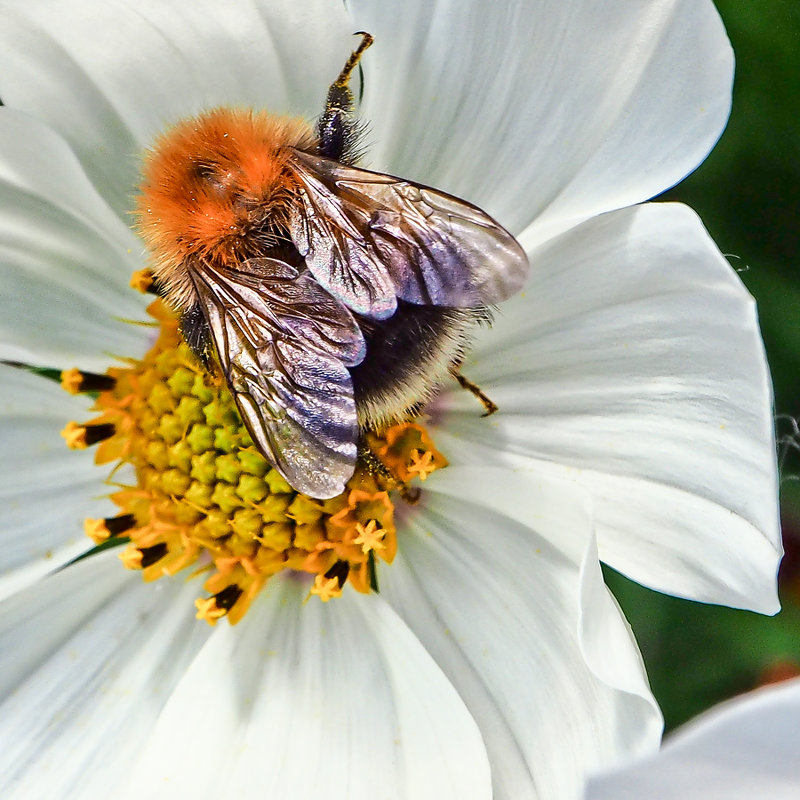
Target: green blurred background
x,y
748,195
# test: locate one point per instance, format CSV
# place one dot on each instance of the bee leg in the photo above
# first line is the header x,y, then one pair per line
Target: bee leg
x,y
487,401
370,461
336,128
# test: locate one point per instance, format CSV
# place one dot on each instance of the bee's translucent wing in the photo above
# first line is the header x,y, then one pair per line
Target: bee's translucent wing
x,y
369,238
284,345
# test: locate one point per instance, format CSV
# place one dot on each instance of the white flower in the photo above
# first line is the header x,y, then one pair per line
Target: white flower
x,y
635,407
743,749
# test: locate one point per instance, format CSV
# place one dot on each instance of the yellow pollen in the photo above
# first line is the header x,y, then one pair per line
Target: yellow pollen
x,y
326,588
208,610
421,464
369,537
75,436
400,448
131,557
97,530
204,498
142,280
71,380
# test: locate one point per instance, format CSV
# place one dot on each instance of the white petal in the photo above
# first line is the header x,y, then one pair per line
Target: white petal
x,y
46,490
633,365
741,750
498,578
65,258
308,701
550,111
88,658
108,76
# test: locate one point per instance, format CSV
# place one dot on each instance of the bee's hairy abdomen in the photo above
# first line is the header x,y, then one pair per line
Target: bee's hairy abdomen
x,y
409,356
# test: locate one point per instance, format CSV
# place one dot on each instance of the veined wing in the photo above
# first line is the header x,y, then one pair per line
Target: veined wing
x,y
369,238
284,345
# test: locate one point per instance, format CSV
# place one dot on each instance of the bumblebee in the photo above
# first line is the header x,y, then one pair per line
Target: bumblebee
x,y
334,299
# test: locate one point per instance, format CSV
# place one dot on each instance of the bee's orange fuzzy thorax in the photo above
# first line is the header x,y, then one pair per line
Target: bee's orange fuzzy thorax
x,y
207,181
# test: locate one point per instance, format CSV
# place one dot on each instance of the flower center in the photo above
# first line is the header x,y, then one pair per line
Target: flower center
x,y
205,496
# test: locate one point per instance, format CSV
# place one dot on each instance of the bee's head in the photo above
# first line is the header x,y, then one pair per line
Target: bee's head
x,y
208,182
